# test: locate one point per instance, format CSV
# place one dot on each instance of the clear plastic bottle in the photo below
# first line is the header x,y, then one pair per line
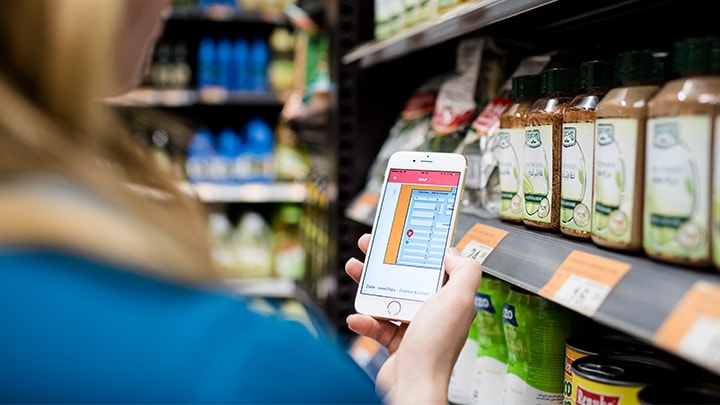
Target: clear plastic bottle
x,y
542,150
252,242
509,153
288,251
620,149
679,142
578,145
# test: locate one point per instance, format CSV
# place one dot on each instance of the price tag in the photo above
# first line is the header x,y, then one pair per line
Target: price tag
x,y
583,281
692,329
479,241
363,208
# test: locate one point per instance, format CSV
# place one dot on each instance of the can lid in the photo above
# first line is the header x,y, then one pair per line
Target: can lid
x,y
623,370
641,65
656,394
595,73
610,345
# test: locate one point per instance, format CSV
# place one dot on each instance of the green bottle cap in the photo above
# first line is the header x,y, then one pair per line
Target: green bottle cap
x,y
641,65
595,73
698,55
290,214
559,80
525,86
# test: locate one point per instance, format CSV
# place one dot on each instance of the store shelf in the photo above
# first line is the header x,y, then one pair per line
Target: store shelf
x,y
224,13
638,304
461,20
247,193
144,97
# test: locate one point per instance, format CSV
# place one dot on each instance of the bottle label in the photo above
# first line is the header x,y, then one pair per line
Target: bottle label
x,y
511,142
615,182
488,381
677,186
537,176
577,179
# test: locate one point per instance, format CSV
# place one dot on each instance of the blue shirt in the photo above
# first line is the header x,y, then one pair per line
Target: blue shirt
x,y
77,330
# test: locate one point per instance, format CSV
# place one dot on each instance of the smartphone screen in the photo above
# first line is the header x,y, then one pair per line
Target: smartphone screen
x,y
411,234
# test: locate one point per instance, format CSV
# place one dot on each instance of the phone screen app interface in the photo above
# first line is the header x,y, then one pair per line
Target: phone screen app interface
x,y
411,233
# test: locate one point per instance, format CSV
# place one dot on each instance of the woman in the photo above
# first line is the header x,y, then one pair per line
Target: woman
x,y
108,295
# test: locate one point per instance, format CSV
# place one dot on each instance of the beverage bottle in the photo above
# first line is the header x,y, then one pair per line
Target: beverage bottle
x,y
206,73
542,150
200,152
678,164
620,149
578,143
259,62
511,142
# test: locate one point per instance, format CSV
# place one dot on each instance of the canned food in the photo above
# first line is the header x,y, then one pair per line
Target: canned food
x,y
616,380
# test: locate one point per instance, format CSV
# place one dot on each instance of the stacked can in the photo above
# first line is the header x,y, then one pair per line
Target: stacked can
x,y
491,360
580,346
535,332
600,379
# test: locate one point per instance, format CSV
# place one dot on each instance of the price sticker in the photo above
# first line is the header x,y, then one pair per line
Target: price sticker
x,y
583,281
479,241
477,251
692,329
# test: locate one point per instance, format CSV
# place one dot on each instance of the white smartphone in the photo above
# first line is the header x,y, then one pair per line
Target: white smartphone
x,y
413,228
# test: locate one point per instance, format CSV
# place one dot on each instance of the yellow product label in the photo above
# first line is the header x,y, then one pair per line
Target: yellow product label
x,y
576,184
537,173
615,182
570,356
677,187
587,392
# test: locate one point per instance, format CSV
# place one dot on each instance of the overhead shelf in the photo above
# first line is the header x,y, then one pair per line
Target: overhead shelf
x,y
149,97
461,20
644,299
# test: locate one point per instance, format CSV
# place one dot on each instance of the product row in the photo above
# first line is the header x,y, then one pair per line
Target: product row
x,y
253,153
394,16
524,349
256,247
615,151
230,6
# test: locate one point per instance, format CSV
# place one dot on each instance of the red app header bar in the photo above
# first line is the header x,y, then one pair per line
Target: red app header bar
x,y
438,178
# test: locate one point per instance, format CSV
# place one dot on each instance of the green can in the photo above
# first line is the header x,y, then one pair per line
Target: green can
x,y
535,332
491,359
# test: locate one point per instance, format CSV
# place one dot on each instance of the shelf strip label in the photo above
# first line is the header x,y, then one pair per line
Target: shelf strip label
x,y
692,329
479,241
583,281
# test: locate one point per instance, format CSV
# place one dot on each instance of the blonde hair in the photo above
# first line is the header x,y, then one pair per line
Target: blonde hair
x,y
56,63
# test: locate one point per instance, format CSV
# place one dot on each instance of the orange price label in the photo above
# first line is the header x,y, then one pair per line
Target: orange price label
x,y
693,328
583,281
364,207
479,241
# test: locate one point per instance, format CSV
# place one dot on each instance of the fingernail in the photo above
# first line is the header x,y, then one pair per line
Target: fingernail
x,y
453,251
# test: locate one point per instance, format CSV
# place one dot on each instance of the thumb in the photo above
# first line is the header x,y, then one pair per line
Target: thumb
x,y
464,273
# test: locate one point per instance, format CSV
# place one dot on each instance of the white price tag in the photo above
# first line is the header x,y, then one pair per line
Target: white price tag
x,y
702,342
477,251
583,295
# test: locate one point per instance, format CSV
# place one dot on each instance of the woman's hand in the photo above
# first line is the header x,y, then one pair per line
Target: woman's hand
x,y
423,352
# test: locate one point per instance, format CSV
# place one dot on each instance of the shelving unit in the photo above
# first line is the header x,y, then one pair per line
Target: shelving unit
x,y
631,293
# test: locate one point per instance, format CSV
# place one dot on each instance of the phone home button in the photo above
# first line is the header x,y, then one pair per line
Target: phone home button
x,y
393,308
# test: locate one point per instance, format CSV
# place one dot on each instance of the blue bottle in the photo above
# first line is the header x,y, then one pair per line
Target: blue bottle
x,y
229,149
200,152
240,73
223,62
259,62
260,143
206,72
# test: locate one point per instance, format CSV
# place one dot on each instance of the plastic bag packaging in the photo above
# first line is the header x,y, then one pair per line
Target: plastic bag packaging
x,y
408,133
482,183
456,104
